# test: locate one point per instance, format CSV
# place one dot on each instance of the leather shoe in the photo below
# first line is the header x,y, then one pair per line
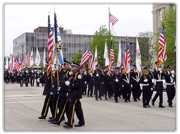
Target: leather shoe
x,y
67,126
144,107
148,106
152,103
42,117
78,125
162,106
56,122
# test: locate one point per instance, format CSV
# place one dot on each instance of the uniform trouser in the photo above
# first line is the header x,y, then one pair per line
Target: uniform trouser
x,y
21,82
53,103
75,106
32,82
127,93
170,93
84,87
47,104
90,88
63,104
146,95
116,94
138,91
159,89
97,89
37,83
106,89
135,92
26,82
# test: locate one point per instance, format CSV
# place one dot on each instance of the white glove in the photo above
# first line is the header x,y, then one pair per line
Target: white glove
x,y
85,82
160,69
85,73
79,76
59,88
102,82
38,80
151,89
172,71
97,75
145,80
122,85
51,93
91,74
70,73
116,80
131,85
67,83
67,95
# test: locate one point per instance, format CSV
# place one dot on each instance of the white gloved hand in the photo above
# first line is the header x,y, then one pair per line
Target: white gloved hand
x,y
85,82
85,73
131,85
67,95
97,75
70,73
79,77
67,83
38,80
151,89
102,82
172,71
51,93
159,69
145,80
116,80
59,88
122,85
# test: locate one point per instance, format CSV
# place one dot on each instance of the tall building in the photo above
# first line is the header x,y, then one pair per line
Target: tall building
x,y
158,12
72,43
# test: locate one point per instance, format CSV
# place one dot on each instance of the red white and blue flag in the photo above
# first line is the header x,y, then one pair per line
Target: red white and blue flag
x,y
111,57
85,55
112,19
162,57
27,58
11,65
22,63
127,60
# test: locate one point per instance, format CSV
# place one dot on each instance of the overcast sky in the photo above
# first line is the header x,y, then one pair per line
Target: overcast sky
x,y
81,19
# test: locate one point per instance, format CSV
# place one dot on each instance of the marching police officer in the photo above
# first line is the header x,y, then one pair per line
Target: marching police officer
x,y
169,77
26,73
90,84
74,96
158,85
32,74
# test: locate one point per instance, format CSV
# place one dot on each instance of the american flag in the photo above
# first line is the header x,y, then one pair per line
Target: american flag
x,y
27,58
50,46
91,60
11,65
85,55
22,63
16,63
111,57
127,60
162,57
112,19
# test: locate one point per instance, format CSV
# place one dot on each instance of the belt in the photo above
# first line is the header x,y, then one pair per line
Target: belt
x,y
169,84
144,84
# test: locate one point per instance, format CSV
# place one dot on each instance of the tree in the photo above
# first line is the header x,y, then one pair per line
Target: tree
x,y
77,57
170,34
145,43
99,39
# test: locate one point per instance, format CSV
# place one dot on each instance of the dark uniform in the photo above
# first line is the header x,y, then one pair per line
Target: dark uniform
x,y
47,102
116,84
74,96
90,84
32,75
37,77
146,83
84,82
21,78
158,86
6,77
26,75
127,88
169,77
97,82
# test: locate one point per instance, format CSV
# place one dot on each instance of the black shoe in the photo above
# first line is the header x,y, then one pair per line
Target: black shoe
x,y
42,117
152,103
162,106
100,98
129,100
56,122
106,99
144,107
67,126
148,106
51,118
116,101
135,100
78,125
170,106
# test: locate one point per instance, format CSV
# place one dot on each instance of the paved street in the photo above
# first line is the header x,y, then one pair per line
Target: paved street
x,y
23,105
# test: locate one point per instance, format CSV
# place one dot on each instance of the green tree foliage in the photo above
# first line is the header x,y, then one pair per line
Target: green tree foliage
x,y
77,57
170,34
99,39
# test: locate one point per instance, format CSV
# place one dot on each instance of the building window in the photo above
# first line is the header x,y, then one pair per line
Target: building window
x,y
160,14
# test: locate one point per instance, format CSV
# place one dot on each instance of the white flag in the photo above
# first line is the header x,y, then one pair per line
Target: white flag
x,y
138,56
38,58
119,56
6,66
106,54
31,58
95,59
44,58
